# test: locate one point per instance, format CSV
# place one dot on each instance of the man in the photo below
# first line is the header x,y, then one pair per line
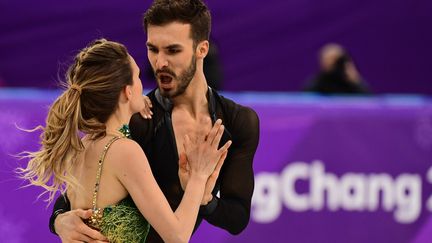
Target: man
x,y
177,42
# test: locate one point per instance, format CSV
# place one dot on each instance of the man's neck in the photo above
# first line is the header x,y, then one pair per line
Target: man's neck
x,y
194,99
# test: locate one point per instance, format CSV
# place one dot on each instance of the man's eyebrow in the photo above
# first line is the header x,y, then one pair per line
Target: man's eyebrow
x,y
150,45
173,46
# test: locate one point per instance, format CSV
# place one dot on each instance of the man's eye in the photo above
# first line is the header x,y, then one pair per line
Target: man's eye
x,y
173,51
154,50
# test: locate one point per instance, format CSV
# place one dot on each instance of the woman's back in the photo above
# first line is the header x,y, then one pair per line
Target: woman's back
x,y
114,212
110,190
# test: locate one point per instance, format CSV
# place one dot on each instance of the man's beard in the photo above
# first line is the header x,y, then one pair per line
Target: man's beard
x,y
184,79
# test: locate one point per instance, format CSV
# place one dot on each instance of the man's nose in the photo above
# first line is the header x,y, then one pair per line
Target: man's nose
x,y
161,61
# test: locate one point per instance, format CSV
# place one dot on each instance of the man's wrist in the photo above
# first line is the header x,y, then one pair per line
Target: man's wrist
x,y
53,219
210,207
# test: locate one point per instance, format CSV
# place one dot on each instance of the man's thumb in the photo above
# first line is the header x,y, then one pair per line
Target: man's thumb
x,y
84,214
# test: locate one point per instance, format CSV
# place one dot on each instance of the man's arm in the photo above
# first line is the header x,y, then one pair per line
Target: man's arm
x,y
68,224
61,205
232,210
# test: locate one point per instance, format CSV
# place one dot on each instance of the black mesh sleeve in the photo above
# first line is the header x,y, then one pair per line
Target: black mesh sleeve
x,y
232,211
61,205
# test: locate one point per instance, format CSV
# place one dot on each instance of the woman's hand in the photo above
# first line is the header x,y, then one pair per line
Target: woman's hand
x,y
146,113
184,174
203,154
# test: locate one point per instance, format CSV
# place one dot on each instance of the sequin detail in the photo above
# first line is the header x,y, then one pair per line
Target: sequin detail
x,y
95,219
125,131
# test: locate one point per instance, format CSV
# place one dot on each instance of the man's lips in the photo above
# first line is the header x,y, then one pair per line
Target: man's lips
x,y
165,79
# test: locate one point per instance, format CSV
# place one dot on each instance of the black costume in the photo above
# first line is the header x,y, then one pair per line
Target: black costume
x,y
236,180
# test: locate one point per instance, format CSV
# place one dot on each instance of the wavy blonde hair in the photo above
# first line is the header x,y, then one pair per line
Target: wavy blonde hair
x,y
92,89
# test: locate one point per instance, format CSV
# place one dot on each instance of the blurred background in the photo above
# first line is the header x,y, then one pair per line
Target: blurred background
x,y
262,46
342,89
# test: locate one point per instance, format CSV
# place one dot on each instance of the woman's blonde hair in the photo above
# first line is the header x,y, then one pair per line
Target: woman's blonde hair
x,y
92,90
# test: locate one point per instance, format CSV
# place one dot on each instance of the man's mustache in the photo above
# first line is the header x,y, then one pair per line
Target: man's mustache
x,y
165,71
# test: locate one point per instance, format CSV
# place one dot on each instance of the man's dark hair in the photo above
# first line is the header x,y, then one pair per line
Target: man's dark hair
x,y
193,12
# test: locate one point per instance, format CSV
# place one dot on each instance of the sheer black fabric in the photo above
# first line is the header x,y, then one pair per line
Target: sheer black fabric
x,y
231,210
60,206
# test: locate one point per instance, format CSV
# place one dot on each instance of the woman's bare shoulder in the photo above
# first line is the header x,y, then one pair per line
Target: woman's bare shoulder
x,y
126,149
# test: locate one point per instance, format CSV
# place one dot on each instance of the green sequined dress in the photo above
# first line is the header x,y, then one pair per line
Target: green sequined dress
x,y
122,222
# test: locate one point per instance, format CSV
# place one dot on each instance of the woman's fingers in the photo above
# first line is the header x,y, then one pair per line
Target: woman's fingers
x,y
214,131
225,147
216,140
146,112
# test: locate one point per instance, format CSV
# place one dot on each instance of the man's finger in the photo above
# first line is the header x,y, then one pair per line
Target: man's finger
x,y
93,234
86,232
82,238
84,214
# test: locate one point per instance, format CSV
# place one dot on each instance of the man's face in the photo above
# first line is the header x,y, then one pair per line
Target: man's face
x,y
172,57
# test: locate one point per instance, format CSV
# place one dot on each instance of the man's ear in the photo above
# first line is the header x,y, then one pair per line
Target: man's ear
x,y
202,49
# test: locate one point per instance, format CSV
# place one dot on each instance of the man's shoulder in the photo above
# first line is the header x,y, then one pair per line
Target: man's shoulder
x,y
233,109
142,129
241,122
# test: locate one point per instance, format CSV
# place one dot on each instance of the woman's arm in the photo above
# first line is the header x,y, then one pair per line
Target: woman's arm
x,y
134,172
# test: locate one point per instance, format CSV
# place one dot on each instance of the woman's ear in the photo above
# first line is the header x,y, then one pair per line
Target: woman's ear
x,y
202,49
128,92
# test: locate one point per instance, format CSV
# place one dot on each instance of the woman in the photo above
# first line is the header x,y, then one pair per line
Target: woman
x,y
104,170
